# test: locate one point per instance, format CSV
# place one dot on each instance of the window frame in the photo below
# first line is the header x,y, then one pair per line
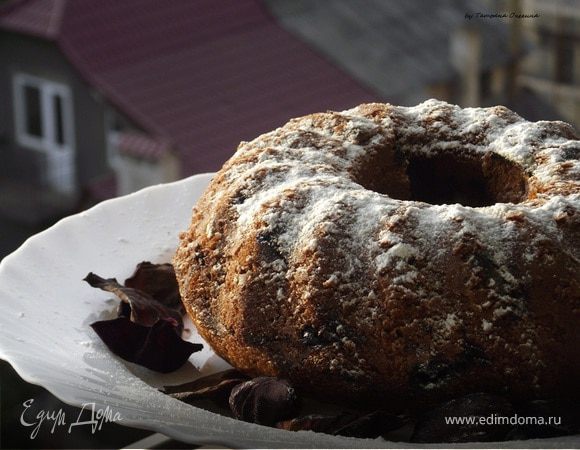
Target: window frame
x,y
48,91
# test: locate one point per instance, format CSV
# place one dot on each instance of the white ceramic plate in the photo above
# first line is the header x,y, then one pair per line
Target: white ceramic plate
x,y
46,309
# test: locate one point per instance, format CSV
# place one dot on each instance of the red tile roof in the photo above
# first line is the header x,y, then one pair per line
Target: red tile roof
x,y
39,18
202,75
140,145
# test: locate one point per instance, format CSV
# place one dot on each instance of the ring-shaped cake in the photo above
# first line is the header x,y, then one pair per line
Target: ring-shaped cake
x,y
401,255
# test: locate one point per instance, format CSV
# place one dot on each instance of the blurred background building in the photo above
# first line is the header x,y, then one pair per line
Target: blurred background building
x,y
108,97
552,68
99,98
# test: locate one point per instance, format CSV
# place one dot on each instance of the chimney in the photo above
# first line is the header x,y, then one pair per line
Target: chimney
x,y
466,58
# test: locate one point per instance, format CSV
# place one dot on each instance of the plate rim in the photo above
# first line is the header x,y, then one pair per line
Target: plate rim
x,y
68,396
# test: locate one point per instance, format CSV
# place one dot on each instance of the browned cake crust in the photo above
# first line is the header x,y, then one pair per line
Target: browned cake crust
x,y
394,254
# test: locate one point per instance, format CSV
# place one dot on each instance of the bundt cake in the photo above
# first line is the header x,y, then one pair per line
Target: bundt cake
x,y
401,255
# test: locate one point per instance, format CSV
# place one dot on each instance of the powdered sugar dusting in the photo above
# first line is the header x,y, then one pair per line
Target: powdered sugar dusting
x,y
318,168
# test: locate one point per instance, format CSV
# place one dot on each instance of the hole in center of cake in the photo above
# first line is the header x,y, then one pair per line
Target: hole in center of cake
x,y
442,179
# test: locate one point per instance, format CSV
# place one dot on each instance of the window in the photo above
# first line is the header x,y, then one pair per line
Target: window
x,y
113,128
32,106
485,84
564,64
43,114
